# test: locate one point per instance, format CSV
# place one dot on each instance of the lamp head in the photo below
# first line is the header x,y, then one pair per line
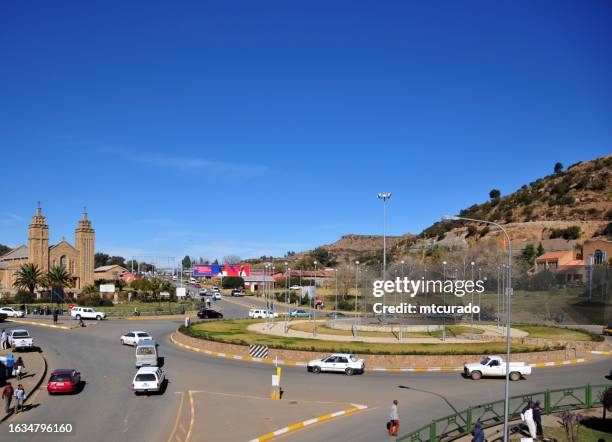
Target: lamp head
x,y
384,196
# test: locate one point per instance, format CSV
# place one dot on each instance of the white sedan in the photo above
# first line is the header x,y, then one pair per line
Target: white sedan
x,y
12,313
339,363
134,337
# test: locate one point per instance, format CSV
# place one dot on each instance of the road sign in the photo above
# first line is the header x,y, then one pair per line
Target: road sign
x,y
70,306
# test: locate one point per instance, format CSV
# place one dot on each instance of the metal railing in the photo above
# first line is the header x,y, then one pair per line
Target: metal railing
x,y
488,415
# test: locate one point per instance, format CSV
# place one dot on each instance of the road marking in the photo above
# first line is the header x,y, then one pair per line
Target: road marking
x,y
297,426
191,420
39,324
178,416
418,369
604,353
558,363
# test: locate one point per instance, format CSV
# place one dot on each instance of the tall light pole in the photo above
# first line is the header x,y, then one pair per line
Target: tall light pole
x,y
508,317
444,301
402,262
479,296
314,302
287,297
356,291
384,196
336,307
472,311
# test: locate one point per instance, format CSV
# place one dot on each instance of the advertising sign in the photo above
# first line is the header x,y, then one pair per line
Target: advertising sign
x,y
206,269
211,270
107,288
181,292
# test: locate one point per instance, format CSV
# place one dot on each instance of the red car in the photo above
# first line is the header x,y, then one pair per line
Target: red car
x,y
197,285
64,380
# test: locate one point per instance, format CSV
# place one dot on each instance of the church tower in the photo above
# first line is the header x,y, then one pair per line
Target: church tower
x,y
38,241
84,237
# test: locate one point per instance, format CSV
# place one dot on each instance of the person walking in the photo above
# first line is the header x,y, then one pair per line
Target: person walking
x,y
10,364
7,396
4,339
478,433
527,416
19,367
20,396
394,419
537,417
55,313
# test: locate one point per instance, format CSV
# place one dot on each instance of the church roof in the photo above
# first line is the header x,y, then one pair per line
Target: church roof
x,y
109,267
63,241
18,252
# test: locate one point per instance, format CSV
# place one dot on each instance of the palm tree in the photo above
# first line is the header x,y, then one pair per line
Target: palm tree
x,y
29,276
58,278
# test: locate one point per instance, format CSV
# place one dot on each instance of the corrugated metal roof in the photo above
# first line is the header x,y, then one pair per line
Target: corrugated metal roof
x,y
19,252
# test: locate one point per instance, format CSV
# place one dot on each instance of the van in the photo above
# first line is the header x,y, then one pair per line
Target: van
x,y
146,353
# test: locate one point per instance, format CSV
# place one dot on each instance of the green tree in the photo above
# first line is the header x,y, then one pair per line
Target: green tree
x,y
529,254
4,249
28,277
131,264
494,194
186,262
100,259
232,282
116,260
57,279
323,257
540,250
558,168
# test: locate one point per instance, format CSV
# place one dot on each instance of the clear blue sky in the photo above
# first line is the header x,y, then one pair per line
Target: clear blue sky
x,y
258,127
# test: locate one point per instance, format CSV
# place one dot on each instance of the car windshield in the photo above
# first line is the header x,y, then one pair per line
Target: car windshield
x,y
145,350
143,335
485,361
60,378
20,334
145,377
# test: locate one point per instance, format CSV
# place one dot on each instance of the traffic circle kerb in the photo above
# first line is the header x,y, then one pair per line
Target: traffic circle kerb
x,y
281,431
39,324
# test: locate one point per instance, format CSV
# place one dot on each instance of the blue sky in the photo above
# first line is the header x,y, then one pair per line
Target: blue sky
x,y
257,127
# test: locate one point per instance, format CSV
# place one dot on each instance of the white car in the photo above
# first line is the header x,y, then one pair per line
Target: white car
x,y
12,313
20,340
261,314
495,366
338,362
148,379
134,337
216,296
86,313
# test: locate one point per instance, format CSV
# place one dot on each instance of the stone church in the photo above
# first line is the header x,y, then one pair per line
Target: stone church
x,y
78,260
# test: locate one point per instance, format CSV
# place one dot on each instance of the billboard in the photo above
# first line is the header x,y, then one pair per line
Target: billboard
x,y
211,270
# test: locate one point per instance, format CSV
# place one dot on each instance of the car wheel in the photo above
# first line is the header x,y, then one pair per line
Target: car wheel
x,y
78,317
349,371
122,342
515,376
98,318
476,375
316,369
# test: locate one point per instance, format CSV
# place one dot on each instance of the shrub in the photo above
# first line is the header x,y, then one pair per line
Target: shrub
x,y
24,297
232,282
572,232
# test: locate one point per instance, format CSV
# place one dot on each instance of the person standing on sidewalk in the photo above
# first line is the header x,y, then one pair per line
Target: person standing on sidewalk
x,y
4,339
394,419
7,395
20,396
55,314
10,362
537,417
19,367
527,416
478,433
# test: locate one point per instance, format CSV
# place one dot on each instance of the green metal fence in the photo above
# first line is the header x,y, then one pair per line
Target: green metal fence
x,y
460,424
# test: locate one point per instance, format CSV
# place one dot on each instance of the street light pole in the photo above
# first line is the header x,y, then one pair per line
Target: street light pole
x,y
508,317
336,307
314,302
384,196
356,292
472,309
444,302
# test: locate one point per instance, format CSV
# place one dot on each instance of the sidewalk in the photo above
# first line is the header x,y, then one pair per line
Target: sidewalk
x,y
34,375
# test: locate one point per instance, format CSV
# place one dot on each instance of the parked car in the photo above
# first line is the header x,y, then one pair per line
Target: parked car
x,y
216,296
336,315
492,366
86,313
134,337
237,292
64,380
299,314
148,379
206,313
339,363
20,339
3,316
607,330
12,313
197,285
256,313
295,287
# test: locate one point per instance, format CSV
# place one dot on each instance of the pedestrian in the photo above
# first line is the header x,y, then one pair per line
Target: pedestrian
x,y
20,396
4,339
19,367
537,417
187,322
7,395
478,433
55,316
527,416
10,364
394,419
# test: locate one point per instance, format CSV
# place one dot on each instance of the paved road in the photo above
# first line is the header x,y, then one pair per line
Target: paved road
x,y
107,410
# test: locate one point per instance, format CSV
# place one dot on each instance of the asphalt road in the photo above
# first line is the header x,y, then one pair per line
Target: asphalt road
x,y
106,409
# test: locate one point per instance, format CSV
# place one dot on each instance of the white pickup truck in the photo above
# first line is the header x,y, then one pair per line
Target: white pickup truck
x,y
492,366
20,340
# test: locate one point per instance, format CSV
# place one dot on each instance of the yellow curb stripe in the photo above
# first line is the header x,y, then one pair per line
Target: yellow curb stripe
x,y
40,324
305,423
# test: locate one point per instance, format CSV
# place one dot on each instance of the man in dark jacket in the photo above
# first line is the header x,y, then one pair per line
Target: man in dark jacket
x,y
478,433
537,418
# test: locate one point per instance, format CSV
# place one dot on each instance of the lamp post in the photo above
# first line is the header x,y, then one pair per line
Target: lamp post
x,y
356,292
472,312
508,316
287,297
444,301
384,196
402,303
314,302
336,307
479,296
